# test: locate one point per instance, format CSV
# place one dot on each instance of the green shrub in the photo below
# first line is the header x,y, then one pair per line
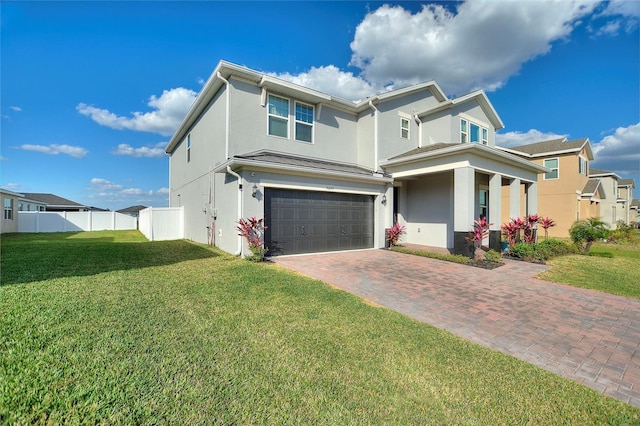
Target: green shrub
x,y
624,234
541,251
493,256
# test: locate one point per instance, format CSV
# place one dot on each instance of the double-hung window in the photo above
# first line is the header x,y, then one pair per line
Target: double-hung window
x,y
551,163
304,122
8,209
463,130
404,128
582,166
278,116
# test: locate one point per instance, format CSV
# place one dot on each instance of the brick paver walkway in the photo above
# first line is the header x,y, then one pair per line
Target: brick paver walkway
x,y
588,336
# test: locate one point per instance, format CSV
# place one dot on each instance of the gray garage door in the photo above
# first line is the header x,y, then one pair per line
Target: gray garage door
x,y
310,221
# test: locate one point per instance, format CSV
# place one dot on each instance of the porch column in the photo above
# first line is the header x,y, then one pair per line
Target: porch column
x,y
514,198
464,198
532,198
495,210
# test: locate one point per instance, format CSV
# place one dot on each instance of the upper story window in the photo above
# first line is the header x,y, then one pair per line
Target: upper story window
x,y
583,166
188,148
551,163
278,116
8,208
472,132
404,128
304,122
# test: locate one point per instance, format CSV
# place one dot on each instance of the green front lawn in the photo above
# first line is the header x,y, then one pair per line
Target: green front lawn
x,y
619,274
105,327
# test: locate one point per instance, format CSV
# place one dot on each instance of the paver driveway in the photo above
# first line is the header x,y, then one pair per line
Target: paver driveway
x,y
584,335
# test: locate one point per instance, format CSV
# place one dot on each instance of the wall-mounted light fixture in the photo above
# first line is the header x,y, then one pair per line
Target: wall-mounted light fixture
x,y
254,192
384,200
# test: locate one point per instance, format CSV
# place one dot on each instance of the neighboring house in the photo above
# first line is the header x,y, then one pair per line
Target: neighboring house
x,y
9,210
566,192
625,198
54,203
28,205
329,174
610,208
132,210
635,212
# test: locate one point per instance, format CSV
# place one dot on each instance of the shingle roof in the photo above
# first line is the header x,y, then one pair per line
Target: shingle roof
x,y
591,187
51,199
594,171
635,204
627,182
289,160
549,146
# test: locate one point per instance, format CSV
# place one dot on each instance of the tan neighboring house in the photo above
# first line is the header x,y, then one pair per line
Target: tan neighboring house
x,y
567,192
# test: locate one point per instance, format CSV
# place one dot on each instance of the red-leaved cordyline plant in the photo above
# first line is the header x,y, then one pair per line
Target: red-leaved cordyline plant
x,y
395,233
546,223
511,231
253,230
479,232
528,228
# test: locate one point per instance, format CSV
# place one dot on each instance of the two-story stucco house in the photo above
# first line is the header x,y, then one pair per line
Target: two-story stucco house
x,y
566,192
329,174
616,199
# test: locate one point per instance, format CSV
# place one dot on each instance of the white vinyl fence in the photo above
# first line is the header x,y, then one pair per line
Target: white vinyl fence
x,y
162,223
74,221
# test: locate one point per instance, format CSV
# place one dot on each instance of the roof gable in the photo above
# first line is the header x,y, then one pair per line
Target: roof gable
x,y
554,147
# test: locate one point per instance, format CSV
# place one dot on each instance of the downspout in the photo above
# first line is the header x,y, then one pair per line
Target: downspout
x,y
375,135
226,124
232,173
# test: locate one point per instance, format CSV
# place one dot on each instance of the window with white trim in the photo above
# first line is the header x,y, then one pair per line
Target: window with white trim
x,y
304,122
551,163
278,111
404,128
8,208
472,132
583,167
463,130
188,148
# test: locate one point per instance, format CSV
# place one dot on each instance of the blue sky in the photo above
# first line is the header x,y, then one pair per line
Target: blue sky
x,y
91,91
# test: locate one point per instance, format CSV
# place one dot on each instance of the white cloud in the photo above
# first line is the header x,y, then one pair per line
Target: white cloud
x,y
143,151
619,14
16,108
511,139
162,191
330,79
169,110
100,184
54,149
619,152
481,45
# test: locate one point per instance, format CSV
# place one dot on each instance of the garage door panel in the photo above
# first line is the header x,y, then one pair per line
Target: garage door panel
x,y
307,221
